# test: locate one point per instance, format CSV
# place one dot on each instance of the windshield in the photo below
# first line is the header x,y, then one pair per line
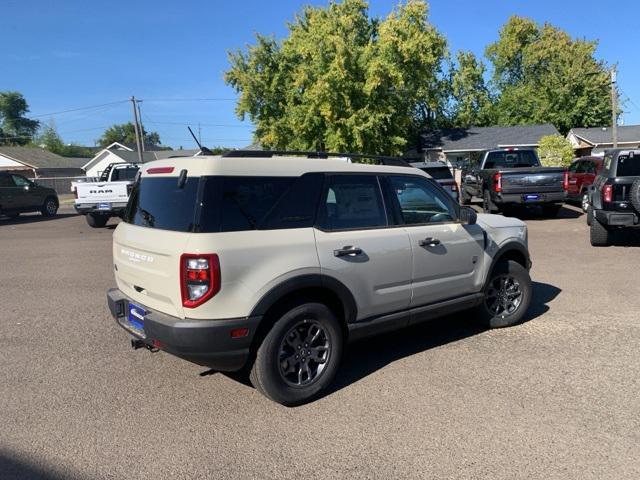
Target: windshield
x,y
438,173
512,159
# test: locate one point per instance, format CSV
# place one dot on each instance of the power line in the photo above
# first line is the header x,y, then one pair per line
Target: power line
x,y
188,99
78,109
202,124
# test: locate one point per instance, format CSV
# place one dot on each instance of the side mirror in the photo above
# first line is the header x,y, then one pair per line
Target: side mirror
x,y
468,216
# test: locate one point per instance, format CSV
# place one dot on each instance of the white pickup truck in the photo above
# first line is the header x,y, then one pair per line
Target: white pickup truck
x,y
107,197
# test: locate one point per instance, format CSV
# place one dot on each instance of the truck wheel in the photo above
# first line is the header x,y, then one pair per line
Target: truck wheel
x,y
299,356
97,221
465,198
507,295
551,211
600,236
50,207
487,204
589,215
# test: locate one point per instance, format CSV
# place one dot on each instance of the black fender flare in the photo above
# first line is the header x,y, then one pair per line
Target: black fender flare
x,y
308,281
510,246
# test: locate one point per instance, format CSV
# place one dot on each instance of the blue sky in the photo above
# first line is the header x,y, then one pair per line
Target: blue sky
x,y
67,54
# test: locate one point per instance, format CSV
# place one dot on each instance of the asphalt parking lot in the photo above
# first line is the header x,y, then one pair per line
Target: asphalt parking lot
x,y
555,397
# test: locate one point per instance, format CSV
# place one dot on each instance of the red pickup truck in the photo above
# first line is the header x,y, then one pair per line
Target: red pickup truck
x,y
582,173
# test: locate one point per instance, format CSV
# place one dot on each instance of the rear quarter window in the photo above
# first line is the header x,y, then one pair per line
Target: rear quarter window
x,y
438,173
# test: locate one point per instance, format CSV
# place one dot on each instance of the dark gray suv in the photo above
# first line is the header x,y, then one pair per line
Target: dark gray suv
x,y
20,195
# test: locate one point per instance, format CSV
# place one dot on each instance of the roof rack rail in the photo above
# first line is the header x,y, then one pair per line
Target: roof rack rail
x,y
382,159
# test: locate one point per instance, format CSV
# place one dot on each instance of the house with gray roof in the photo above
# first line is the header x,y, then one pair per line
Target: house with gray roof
x,y
595,140
457,145
37,162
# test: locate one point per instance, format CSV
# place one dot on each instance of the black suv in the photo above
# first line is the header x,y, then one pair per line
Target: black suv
x,y
20,195
614,199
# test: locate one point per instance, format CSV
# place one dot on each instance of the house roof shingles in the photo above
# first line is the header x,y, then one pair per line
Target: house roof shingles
x,y
40,158
602,135
485,138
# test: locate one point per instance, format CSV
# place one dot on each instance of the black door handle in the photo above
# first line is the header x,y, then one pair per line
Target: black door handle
x,y
349,250
429,242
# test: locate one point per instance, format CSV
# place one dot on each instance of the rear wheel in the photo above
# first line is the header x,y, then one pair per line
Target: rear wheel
x,y
551,211
299,356
97,221
507,296
600,235
589,215
50,207
465,198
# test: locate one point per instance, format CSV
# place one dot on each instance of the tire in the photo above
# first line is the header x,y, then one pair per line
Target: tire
x,y
465,198
584,203
589,215
300,378
551,211
600,235
494,313
634,195
487,205
50,207
97,221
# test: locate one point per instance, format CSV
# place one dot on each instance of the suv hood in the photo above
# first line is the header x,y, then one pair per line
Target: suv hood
x,y
498,221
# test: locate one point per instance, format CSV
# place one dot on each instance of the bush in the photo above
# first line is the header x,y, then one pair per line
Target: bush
x,y
555,151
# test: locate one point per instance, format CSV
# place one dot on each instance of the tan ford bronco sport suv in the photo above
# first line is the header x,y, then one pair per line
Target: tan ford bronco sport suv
x,y
272,262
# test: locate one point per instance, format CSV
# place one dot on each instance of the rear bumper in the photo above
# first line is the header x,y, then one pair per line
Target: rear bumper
x,y
116,208
617,219
519,198
205,342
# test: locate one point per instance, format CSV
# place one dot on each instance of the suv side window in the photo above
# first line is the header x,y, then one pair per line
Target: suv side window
x,y
20,181
5,181
352,202
421,202
589,167
573,168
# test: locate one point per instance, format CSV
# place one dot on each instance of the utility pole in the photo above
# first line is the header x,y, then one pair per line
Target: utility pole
x,y
614,108
136,126
199,133
142,142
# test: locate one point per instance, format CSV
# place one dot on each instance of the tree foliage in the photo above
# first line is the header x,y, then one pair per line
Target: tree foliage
x,y
343,81
555,151
542,75
126,133
15,127
472,100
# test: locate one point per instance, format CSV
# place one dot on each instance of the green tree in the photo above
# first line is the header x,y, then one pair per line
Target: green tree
x,y
343,81
542,75
555,151
126,133
49,139
472,101
15,128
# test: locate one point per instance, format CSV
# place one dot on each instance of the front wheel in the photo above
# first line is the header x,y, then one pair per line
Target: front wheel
x,y
50,207
585,202
299,356
507,296
97,221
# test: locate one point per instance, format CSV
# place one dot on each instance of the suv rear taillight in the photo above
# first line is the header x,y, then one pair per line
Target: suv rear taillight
x,y
565,181
497,182
607,193
199,278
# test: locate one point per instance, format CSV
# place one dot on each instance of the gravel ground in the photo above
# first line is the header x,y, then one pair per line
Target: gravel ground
x,y
557,397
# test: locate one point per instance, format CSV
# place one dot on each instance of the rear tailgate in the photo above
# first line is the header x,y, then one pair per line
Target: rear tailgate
x,y
147,263
532,180
93,192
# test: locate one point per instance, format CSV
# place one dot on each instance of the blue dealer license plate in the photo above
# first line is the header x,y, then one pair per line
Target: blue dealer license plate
x,y
531,198
104,206
136,316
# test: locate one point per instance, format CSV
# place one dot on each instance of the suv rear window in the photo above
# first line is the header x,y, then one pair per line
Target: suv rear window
x,y
513,159
438,173
628,166
225,204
